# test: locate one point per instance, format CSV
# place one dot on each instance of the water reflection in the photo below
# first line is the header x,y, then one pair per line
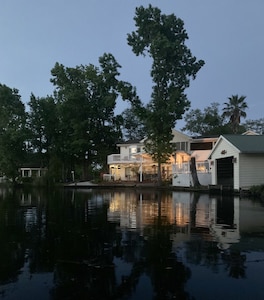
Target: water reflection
x,y
215,219
70,244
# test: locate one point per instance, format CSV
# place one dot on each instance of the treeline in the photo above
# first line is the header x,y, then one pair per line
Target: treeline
x,y
76,128
213,120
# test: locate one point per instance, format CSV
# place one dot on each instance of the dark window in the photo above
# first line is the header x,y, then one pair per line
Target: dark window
x,y
201,146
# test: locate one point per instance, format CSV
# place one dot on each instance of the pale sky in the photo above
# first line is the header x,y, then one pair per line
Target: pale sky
x,y
227,35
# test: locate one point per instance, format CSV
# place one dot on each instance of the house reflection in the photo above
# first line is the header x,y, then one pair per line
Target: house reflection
x,y
213,218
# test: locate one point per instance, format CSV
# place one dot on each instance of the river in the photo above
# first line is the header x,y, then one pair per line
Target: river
x,y
129,244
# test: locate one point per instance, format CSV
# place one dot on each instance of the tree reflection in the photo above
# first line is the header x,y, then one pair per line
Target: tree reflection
x,y
12,238
68,233
85,254
167,274
235,263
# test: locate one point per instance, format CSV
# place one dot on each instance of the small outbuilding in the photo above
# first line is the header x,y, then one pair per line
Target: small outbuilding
x,y
237,161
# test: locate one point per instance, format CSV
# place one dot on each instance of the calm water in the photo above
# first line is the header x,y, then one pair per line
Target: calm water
x,y
100,244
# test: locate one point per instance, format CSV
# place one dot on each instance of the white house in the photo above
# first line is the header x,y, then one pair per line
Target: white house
x,y
132,163
32,171
237,161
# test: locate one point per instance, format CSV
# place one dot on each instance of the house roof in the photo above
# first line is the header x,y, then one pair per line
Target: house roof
x,y
246,143
250,132
130,142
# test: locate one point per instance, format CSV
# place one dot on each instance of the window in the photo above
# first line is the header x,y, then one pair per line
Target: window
x,y
183,146
201,146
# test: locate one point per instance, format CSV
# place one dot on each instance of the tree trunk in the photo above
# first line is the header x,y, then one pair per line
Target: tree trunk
x,y
159,174
195,179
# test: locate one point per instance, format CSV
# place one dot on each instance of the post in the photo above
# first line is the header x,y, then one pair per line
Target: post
x,y
140,169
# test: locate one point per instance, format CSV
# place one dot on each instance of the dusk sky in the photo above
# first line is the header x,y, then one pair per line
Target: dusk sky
x,y
227,35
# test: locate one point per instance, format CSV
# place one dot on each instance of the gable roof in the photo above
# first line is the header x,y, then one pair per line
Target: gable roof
x,y
246,143
243,143
179,136
250,132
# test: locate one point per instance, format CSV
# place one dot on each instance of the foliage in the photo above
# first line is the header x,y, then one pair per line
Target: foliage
x,y
255,125
13,131
43,122
211,122
162,38
234,110
86,99
257,191
133,128
207,122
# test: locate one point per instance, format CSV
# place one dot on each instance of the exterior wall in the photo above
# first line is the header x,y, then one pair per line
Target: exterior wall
x,y
224,150
185,179
181,174
180,138
181,180
124,151
251,170
127,150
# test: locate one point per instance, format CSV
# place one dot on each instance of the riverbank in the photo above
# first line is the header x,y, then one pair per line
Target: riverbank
x,y
256,192
210,189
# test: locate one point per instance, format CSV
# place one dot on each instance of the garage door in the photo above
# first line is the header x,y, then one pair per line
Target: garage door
x,y
225,171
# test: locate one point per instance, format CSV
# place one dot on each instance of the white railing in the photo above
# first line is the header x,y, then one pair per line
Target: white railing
x,y
117,158
201,167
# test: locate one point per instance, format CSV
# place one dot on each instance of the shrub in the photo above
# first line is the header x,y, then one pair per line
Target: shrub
x,y
257,191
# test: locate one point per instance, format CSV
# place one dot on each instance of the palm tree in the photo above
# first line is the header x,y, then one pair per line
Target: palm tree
x,y
235,109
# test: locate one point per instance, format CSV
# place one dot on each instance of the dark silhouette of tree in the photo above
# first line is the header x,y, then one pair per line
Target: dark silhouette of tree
x,y
162,37
13,133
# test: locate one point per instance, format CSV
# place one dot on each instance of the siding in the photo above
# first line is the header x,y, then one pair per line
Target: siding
x,y
251,170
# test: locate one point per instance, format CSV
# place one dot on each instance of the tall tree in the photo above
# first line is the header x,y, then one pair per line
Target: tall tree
x,y
234,110
86,97
43,123
12,131
162,37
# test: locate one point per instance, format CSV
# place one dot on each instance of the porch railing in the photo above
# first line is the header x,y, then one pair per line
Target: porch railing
x,y
183,168
117,158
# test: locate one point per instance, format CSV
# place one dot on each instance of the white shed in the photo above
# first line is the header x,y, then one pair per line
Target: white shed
x,y
237,161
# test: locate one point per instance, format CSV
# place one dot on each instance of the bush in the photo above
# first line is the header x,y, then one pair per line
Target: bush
x,y
257,191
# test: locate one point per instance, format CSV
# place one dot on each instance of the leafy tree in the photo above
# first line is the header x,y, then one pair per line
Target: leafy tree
x,y
234,110
207,122
255,125
43,123
162,38
86,98
12,131
133,128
